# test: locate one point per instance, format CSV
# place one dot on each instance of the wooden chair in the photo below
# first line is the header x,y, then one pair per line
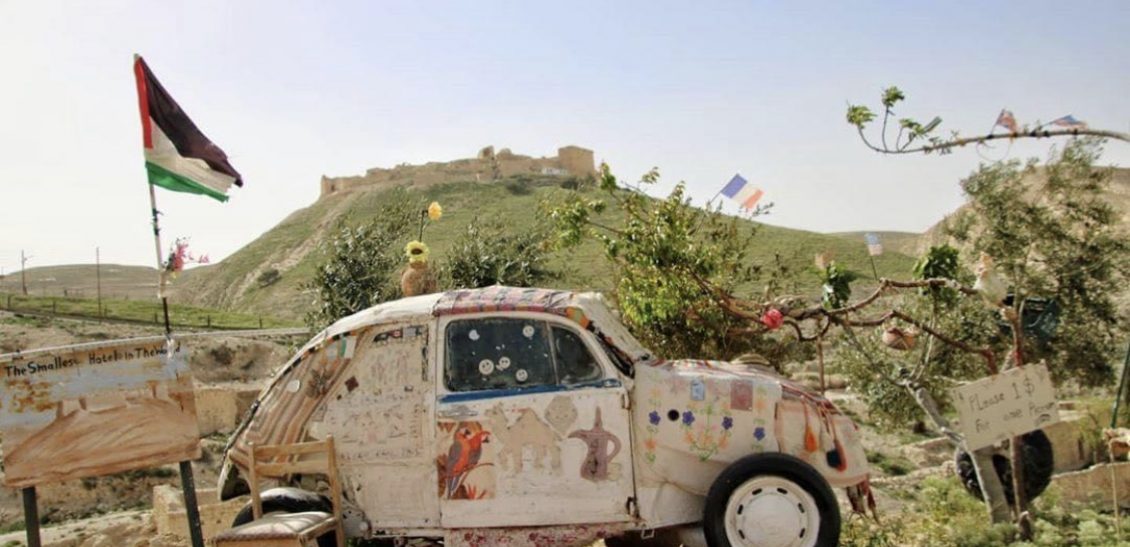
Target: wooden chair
x,y
288,529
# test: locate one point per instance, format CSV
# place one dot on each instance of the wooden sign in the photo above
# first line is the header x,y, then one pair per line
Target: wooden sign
x,y
95,409
1011,403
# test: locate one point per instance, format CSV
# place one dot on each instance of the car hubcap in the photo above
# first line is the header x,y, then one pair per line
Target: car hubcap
x,y
772,511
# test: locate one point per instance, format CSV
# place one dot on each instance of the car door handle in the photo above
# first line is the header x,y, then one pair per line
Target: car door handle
x,y
457,412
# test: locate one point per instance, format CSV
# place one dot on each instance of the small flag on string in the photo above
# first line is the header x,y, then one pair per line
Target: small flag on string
x,y
741,191
1068,122
874,246
1007,121
178,156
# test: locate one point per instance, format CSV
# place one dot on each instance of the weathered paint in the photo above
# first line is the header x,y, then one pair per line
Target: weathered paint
x,y
537,468
116,406
695,417
532,465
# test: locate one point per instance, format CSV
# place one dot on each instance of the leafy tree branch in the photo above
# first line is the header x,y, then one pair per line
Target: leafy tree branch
x,y
915,137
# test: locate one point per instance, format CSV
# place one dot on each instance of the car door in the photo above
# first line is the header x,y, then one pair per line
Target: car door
x,y
532,424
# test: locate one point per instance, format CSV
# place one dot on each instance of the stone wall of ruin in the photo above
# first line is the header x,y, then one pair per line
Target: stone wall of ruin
x,y
488,165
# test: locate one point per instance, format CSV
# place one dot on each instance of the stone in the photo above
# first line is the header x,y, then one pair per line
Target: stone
x,y
1093,485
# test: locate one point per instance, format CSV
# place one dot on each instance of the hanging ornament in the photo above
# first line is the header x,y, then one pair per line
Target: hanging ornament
x,y
896,338
772,319
989,283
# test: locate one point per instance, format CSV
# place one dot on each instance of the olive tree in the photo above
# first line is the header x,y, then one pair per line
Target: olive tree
x,y
668,256
486,254
361,262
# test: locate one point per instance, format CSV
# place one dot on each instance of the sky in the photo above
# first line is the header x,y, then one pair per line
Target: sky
x,y
296,90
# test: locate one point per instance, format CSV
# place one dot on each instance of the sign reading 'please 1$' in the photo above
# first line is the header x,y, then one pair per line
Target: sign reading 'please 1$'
x,y
1011,403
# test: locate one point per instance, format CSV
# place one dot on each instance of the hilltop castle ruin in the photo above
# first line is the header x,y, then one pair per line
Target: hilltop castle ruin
x,y
488,165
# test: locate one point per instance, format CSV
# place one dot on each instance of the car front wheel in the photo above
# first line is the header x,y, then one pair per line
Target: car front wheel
x,y
771,500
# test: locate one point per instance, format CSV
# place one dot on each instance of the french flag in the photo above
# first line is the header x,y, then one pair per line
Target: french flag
x,y
741,191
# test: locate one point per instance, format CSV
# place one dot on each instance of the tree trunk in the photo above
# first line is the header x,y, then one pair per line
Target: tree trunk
x,y
991,488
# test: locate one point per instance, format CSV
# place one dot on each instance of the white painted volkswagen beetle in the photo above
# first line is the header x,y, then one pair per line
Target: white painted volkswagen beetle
x,y
531,417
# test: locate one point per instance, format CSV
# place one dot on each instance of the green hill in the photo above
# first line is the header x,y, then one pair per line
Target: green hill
x,y
292,247
82,280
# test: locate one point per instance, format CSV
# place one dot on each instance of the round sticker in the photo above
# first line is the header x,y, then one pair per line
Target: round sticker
x,y
528,331
503,363
521,375
486,367
473,335
293,386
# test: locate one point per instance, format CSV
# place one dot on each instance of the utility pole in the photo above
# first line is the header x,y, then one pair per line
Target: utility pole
x,y
23,271
98,278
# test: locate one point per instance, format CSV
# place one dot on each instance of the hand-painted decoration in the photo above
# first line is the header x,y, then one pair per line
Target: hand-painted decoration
x,y
602,446
707,428
698,390
741,395
77,413
398,335
743,410
528,431
376,428
511,299
561,413
651,429
330,359
462,458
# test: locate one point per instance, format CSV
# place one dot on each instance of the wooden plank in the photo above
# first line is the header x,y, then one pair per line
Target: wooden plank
x,y
291,468
1009,404
97,410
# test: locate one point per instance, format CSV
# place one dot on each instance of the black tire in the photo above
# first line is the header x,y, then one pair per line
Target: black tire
x,y
1039,464
770,465
289,500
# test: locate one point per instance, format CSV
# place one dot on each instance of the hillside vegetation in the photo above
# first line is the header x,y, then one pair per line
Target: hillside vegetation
x,y
292,247
265,276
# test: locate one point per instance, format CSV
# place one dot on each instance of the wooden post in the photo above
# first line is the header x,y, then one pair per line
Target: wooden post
x,y
31,516
188,486
23,271
98,277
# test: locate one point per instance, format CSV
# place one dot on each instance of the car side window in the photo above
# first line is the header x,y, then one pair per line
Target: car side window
x,y
498,353
574,362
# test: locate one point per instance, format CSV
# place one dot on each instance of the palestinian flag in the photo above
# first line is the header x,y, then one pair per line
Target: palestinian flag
x,y
178,156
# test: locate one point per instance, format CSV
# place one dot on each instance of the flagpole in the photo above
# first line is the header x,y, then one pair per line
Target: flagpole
x,y
188,483
160,260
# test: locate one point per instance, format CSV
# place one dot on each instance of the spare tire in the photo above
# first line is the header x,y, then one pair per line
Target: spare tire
x,y
1039,464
